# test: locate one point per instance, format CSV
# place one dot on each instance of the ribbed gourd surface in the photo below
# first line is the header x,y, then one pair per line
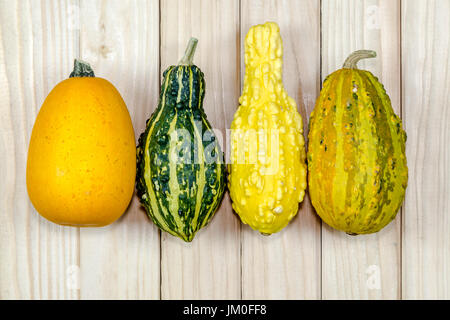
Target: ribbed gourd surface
x,y
356,154
179,183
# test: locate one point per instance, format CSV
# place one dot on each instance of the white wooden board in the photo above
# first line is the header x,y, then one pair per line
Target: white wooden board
x,y
366,266
130,43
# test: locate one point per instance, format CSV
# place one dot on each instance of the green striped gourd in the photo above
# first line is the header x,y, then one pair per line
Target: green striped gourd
x,y
180,166
356,152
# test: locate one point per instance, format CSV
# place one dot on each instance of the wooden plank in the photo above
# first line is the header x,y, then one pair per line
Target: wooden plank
x,y
41,260
209,267
38,258
366,266
426,88
121,41
286,265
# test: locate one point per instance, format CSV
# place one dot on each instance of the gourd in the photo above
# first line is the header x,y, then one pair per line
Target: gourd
x,y
268,169
356,152
81,165
180,166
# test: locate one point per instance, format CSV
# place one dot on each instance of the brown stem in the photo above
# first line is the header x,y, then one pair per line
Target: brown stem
x,y
353,59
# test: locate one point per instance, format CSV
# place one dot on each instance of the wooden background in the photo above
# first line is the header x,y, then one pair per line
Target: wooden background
x,y
131,43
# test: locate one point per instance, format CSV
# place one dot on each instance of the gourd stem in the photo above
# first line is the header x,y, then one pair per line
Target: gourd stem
x,y
81,69
189,53
353,59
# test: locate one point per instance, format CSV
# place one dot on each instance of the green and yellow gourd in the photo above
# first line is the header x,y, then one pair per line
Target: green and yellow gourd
x,y
268,160
356,152
180,166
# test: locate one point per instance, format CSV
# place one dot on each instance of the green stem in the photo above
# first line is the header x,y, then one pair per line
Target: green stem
x,y
189,53
353,59
81,69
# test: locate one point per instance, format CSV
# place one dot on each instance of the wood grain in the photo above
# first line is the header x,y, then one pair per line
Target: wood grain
x,y
209,267
121,41
130,43
366,266
426,88
286,265
36,52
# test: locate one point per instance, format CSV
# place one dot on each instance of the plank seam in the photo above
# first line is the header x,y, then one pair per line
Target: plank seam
x,y
159,92
320,88
238,48
402,211
77,38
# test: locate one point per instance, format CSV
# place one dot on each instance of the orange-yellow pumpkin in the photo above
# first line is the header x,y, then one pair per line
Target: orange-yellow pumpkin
x,y
82,159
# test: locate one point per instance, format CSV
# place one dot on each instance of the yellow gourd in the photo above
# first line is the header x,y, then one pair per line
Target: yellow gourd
x,y
82,159
268,170
356,156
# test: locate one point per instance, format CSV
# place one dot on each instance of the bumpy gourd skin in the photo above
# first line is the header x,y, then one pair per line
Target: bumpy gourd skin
x,y
180,184
268,174
356,154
